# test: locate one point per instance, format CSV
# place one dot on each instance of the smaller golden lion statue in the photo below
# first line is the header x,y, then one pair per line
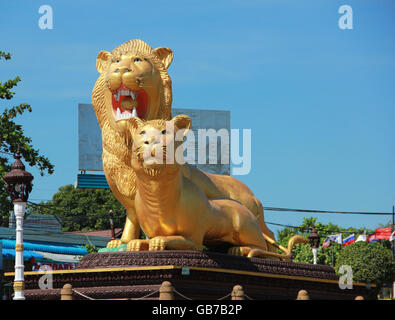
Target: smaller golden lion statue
x,y
173,211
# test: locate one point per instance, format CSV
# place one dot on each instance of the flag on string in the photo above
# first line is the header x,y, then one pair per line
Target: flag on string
x,y
392,237
361,237
372,238
350,239
383,233
333,237
326,243
336,238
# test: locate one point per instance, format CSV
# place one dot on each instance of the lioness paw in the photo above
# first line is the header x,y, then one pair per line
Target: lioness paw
x,y
137,245
114,244
239,251
157,243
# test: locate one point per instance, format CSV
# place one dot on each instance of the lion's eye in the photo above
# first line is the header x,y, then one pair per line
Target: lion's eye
x,y
137,60
163,131
142,132
117,61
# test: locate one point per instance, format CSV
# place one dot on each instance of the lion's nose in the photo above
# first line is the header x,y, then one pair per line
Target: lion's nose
x,y
149,140
123,70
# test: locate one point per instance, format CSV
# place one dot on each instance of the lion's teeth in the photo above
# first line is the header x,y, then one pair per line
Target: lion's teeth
x,y
120,93
134,113
133,95
125,115
116,96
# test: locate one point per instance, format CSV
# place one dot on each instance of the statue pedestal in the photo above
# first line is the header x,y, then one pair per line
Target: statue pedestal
x,y
195,275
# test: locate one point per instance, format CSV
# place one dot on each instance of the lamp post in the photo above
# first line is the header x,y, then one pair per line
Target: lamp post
x,y
314,240
18,186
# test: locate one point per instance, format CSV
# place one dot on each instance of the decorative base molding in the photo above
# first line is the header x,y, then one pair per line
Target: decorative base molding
x,y
196,275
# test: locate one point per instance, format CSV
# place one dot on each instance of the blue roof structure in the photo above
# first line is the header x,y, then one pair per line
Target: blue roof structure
x,y
10,254
54,238
29,246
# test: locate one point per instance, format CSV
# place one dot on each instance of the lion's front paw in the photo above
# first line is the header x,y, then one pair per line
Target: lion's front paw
x,y
114,244
239,251
157,243
137,245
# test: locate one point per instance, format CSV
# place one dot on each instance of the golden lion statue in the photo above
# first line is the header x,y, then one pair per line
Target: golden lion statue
x,y
134,82
173,211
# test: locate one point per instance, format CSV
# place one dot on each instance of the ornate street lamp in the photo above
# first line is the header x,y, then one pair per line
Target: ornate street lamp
x,y
18,186
314,240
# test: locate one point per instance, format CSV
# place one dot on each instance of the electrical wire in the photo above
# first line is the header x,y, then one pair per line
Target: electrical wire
x,y
61,214
62,210
325,211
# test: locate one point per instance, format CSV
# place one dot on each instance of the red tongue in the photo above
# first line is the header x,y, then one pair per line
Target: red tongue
x,y
142,102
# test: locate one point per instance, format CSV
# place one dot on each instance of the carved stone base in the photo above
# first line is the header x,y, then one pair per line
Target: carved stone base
x,y
195,275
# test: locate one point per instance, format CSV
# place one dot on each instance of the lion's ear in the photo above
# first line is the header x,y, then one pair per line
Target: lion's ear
x,y
182,121
165,55
101,62
134,123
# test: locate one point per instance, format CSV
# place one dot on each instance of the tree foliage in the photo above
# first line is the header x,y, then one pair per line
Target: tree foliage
x,y
370,262
82,209
12,137
303,252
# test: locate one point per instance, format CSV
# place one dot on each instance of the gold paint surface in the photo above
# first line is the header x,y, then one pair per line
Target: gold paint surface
x,y
19,285
174,212
136,68
18,247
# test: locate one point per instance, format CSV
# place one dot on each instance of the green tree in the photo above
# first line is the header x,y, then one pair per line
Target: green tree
x,y
12,137
370,262
82,209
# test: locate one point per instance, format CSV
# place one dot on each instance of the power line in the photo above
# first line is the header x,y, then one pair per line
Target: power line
x,y
79,218
60,214
53,208
285,225
325,211
274,209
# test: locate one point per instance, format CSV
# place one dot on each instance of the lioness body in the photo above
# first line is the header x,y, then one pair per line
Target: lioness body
x,y
174,212
186,214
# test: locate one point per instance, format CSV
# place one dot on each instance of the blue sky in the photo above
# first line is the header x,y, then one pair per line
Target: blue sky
x,y
320,101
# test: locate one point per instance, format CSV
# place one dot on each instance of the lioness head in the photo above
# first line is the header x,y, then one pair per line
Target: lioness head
x,y
156,143
133,82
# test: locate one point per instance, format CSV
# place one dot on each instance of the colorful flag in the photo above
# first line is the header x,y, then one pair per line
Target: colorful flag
x,y
336,238
361,237
348,240
392,237
383,233
372,238
326,243
333,237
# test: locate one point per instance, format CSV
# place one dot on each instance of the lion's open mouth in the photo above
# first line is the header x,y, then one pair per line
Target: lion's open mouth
x,y
128,103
